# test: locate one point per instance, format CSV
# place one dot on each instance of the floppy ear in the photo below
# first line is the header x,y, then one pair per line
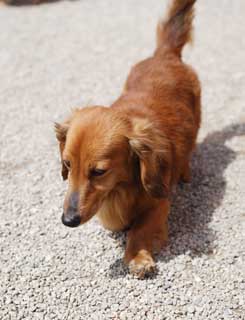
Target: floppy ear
x,y
61,132
153,151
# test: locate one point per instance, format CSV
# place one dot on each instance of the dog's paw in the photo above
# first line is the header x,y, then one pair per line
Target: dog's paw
x,y
142,265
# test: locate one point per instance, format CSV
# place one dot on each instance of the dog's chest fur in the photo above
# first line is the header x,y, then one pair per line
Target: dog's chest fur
x,y
115,212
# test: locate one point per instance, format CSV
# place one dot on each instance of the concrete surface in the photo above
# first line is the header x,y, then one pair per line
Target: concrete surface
x,y
73,53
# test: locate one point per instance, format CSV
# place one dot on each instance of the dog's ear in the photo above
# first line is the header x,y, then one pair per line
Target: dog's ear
x,y
154,154
61,132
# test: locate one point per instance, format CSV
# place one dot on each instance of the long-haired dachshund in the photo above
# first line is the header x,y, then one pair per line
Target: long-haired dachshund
x,y
122,162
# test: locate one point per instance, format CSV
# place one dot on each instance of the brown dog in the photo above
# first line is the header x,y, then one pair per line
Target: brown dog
x,y
122,161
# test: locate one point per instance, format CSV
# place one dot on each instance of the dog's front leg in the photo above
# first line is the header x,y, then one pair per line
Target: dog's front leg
x,y
148,234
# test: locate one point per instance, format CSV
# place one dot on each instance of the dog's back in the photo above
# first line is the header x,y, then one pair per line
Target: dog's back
x,y
164,86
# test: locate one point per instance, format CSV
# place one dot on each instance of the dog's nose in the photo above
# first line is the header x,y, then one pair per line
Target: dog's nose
x,y
71,220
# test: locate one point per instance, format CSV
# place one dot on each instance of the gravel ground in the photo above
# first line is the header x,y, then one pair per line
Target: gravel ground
x,y
64,54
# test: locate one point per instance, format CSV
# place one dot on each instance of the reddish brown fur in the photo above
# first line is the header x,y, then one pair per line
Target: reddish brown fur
x,y
144,141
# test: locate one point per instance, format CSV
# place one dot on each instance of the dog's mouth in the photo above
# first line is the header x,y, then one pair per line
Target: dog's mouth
x,y
76,214
75,218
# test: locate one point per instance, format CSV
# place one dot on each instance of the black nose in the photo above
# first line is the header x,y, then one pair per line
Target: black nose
x,y
71,220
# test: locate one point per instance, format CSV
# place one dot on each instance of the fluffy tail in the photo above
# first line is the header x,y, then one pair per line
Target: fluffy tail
x,y
174,32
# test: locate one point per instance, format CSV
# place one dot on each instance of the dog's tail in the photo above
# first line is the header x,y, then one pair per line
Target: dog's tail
x,y
174,32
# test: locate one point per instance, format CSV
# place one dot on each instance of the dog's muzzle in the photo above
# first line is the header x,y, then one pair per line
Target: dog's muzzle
x,y
71,217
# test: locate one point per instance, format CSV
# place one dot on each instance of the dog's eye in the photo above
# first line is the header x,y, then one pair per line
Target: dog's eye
x,y
97,172
67,164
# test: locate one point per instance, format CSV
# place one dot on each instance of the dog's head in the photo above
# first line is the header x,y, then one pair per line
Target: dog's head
x,y
101,149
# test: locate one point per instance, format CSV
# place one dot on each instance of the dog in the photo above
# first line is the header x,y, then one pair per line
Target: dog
x,y
123,161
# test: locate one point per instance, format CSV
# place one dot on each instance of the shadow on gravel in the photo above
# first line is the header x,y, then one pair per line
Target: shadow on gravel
x,y
193,205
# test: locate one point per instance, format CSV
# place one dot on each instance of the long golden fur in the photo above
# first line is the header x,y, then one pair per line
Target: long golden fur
x,y
122,162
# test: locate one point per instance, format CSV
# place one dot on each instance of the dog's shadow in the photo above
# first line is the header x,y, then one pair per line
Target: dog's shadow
x,y
193,205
